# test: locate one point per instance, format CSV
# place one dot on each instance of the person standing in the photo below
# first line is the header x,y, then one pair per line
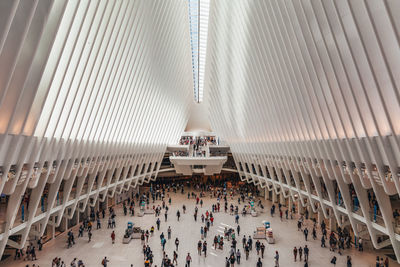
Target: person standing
x,y
238,230
295,253
169,232
386,263
176,243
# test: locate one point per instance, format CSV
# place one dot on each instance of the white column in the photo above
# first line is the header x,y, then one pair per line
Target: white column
x,y
299,206
274,197
282,199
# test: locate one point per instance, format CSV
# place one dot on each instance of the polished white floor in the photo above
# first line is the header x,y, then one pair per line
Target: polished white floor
x,y
188,231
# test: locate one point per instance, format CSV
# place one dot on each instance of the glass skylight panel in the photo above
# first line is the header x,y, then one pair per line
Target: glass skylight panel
x,y
198,16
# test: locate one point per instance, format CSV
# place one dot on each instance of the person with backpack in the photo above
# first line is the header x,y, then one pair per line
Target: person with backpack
x,y
104,262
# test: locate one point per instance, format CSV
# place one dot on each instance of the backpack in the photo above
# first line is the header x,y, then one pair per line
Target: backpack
x,y
102,262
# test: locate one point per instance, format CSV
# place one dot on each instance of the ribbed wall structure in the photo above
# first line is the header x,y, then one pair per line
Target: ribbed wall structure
x,y
307,95
91,92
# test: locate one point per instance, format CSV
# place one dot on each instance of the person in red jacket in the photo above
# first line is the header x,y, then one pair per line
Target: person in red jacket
x,y
113,237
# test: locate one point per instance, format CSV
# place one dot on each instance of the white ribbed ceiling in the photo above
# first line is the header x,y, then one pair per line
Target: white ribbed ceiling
x,y
96,70
304,70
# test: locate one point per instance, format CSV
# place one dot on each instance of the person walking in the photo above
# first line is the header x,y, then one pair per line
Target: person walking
x,y
305,231
40,244
333,260
163,242
259,263
104,262
113,237
176,243
232,260
175,260
199,246
349,264
306,253
238,230
188,260
295,253
169,232
276,259
205,248
238,255
158,224
300,250
262,250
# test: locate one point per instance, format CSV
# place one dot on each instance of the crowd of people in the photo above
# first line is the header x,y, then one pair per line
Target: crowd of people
x,y
235,201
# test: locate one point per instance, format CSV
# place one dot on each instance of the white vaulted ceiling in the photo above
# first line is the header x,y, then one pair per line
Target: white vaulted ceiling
x,y
304,70
307,94
91,93
108,71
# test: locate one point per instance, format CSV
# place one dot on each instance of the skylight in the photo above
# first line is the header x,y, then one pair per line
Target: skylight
x,y
198,15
